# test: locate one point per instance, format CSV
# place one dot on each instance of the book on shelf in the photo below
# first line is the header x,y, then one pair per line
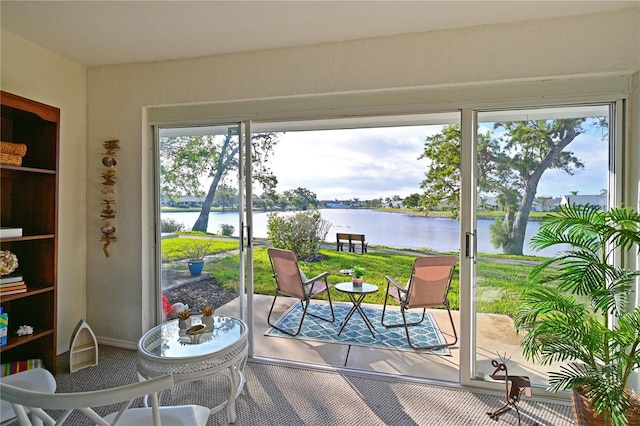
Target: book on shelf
x,y
9,285
11,278
13,286
6,232
20,290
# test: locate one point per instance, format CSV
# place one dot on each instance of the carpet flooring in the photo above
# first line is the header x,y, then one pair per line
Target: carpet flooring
x,y
356,332
285,395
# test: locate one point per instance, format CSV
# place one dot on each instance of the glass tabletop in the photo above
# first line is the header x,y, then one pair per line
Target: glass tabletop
x,y
348,287
167,340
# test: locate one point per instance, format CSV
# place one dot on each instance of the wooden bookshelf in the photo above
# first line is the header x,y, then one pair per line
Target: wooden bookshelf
x,y
29,200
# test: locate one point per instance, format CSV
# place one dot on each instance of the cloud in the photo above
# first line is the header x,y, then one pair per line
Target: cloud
x,y
357,163
383,162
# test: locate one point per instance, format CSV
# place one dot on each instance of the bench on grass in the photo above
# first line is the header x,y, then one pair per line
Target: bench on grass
x,y
352,240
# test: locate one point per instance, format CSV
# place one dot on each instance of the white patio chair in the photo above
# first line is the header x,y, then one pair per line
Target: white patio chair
x,y
23,400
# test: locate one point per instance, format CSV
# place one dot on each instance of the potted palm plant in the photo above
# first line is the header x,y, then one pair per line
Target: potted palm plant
x,y
198,249
576,310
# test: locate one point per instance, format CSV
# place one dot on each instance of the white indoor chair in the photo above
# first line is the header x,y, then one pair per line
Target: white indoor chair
x,y
35,379
25,400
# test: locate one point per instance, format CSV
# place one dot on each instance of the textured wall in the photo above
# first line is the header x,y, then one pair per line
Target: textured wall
x,y
117,95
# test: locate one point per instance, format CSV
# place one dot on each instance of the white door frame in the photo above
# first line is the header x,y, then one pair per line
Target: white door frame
x,y
432,100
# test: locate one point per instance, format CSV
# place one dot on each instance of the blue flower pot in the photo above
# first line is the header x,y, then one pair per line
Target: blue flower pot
x,y
195,267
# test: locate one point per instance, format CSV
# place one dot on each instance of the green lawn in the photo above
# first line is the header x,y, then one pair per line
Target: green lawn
x,y
176,248
498,283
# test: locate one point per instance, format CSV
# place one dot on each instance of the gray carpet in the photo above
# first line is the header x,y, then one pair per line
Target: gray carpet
x,y
282,395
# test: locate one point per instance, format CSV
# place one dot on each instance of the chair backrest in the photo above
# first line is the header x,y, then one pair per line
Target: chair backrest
x,y
36,401
286,272
430,281
36,379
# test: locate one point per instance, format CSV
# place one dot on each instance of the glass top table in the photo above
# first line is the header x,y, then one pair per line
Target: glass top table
x,y
169,341
357,294
219,350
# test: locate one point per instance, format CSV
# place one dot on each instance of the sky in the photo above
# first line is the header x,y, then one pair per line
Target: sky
x,y
347,164
383,162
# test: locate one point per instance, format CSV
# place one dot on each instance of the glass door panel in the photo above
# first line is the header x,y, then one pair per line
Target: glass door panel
x,y
201,216
528,163
363,176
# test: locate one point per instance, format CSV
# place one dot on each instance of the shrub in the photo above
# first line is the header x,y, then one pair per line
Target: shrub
x,y
226,229
301,233
199,248
171,225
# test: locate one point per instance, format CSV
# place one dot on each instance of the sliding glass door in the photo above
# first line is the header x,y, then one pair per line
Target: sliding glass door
x,y
202,218
472,182
528,163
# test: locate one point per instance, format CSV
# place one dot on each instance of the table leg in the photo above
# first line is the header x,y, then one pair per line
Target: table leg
x,y
356,307
349,314
237,384
233,392
365,318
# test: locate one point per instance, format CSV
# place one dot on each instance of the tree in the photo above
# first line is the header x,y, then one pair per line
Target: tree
x,y
375,203
442,183
510,163
412,201
483,204
266,200
226,196
185,161
303,199
283,200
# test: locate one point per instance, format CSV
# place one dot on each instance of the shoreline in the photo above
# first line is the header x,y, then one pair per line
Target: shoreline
x,y
533,216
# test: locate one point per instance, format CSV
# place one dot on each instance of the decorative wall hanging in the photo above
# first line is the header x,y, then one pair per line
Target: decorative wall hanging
x,y
108,214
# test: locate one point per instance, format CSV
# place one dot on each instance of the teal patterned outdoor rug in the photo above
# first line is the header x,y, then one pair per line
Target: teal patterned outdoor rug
x,y
356,331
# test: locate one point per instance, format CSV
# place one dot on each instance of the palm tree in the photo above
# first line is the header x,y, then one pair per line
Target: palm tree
x,y
566,310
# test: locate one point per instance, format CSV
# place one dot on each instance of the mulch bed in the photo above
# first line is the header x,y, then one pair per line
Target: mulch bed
x,y
199,294
208,292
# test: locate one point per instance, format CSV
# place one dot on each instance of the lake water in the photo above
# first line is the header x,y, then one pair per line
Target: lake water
x,y
396,230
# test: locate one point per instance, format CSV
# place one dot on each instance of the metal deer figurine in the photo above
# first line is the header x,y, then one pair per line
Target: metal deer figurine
x,y
514,386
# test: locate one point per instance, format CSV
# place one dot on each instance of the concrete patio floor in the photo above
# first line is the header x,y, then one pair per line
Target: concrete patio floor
x,y
495,334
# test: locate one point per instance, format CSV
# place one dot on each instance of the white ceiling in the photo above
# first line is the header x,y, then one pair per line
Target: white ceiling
x,y
113,32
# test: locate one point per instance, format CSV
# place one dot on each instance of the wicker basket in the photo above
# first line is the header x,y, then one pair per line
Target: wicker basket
x,y
583,414
11,153
13,148
10,159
